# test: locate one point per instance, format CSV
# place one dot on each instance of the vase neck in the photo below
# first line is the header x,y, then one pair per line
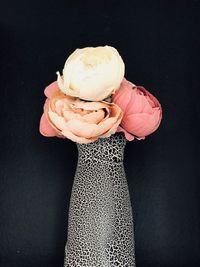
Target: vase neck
x,y
109,148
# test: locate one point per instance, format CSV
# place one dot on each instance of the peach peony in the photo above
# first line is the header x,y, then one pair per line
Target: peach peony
x,y
142,111
81,121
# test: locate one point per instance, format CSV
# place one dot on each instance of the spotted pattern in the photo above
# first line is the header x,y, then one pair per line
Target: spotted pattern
x,y
100,220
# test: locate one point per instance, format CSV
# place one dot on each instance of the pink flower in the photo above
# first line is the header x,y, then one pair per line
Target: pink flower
x,y
142,111
81,121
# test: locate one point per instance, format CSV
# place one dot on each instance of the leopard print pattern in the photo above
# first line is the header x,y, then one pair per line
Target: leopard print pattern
x,y
100,220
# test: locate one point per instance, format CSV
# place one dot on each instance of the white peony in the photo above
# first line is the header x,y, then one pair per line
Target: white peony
x,y
92,73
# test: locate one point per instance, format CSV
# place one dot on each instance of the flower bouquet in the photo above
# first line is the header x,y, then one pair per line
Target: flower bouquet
x,y
94,105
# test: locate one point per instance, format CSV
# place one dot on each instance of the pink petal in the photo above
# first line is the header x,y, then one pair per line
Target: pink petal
x,y
138,103
153,101
123,95
45,127
46,104
50,89
141,124
128,136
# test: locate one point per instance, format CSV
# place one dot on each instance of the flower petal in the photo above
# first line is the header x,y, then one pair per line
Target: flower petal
x,y
60,82
94,116
78,139
140,124
79,120
45,128
90,105
113,129
58,121
51,88
128,136
82,128
125,89
70,115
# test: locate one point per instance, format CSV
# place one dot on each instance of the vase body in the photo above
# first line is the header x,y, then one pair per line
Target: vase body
x,y
100,220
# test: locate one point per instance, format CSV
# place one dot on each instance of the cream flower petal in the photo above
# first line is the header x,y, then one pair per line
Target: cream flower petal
x,y
92,73
60,82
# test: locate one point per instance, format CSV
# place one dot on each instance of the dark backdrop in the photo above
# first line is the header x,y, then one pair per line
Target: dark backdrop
x,y
159,43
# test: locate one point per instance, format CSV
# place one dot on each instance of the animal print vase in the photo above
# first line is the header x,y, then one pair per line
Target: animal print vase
x,y
100,221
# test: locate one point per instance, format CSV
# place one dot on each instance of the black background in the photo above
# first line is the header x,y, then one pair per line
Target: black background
x,y
159,43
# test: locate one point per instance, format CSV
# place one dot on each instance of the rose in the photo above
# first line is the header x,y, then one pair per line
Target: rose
x,y
142,111
92,73
81,121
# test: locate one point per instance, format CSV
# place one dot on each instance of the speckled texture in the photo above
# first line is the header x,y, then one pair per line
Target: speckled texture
x,y
100,222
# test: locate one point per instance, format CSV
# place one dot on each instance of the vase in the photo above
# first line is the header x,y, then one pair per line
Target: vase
x,y
100,219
